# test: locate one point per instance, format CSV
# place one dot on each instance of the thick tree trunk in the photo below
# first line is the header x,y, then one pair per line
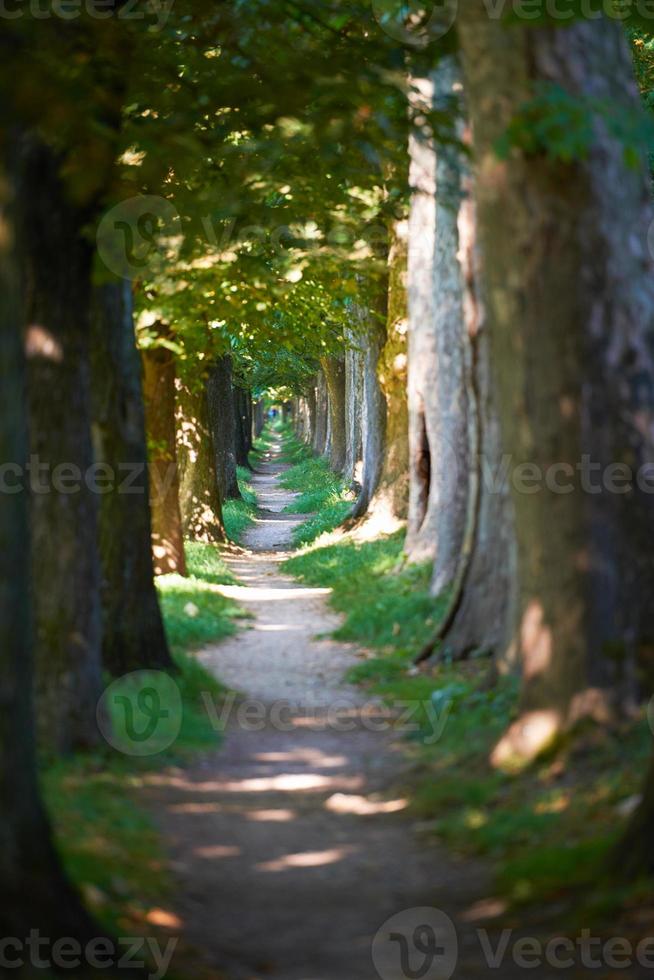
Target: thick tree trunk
x,y
258,419
310,396
133,635
35,893
481,615
159,398
354,356
391,496
322,412
373,412
334,369
570,304
243,422
56,262
438,419
223,426
199,493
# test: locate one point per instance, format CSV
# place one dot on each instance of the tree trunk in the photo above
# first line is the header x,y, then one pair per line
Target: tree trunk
x,y
259,420
243,420
223,426
320,431
36,895
570,304
391,496
334,368
438,420
56,261
311,414
373,411
199,493
353,398
159,398
481,616
133,635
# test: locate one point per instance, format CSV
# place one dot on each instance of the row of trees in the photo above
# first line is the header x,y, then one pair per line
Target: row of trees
x,y
527,378
496,302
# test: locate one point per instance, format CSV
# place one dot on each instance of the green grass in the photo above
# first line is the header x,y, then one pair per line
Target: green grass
x,y
238,515
392,612
545,831
107,840
322,494
194,612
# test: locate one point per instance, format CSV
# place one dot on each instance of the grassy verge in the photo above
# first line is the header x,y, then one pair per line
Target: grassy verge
x,y
545,831
239,514
322,494
108,842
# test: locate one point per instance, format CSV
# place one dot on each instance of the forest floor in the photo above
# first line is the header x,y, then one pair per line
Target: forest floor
x,y
288,845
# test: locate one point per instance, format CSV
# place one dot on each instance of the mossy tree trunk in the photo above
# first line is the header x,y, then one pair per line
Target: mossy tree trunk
x,y
372,408
133,635
392,492
243,423
199,492
438,409
56,265
159,397
222,422
570,308
353,398
320,430
334,370
36,895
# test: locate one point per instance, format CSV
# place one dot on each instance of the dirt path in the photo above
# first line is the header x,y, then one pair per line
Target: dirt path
x,y
289,845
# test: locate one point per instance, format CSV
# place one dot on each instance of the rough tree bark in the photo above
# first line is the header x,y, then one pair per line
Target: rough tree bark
x,y
391,496
438,409
482,612
133,635
199,493
159,398
570,304
243,423
223,426
56,264
353,398
334,370
35,892
372,408
258,419
321,401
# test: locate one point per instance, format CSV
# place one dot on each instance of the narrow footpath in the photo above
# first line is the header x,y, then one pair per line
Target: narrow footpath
x,y
290,845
